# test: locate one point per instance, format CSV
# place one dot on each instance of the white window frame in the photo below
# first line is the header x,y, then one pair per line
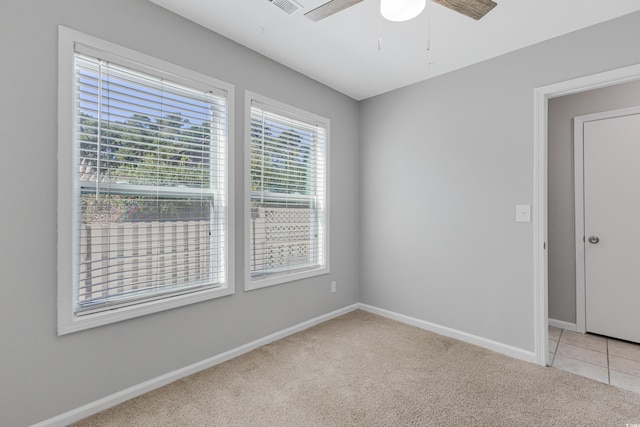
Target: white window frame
x,y
68,185
250,282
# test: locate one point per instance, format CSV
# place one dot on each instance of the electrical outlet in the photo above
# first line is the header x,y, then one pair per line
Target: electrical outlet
x,y
333,287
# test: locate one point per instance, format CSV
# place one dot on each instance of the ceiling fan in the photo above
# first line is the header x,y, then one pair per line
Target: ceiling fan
x,y
475,9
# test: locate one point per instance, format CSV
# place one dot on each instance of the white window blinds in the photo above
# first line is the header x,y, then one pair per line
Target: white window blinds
x,y
288,194
151,182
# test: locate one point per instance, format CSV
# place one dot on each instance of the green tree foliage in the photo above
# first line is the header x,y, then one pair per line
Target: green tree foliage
x,y
164,152
279,161
161,152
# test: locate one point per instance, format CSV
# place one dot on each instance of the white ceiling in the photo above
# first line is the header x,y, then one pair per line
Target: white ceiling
x,y
342,52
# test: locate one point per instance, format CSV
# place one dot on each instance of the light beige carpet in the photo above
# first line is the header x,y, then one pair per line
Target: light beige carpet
x,y
364,370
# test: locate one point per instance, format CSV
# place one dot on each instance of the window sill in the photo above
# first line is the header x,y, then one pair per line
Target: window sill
x,y
280,278
68,323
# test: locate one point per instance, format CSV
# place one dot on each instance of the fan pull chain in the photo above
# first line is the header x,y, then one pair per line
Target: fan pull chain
x,y
428,24
379,29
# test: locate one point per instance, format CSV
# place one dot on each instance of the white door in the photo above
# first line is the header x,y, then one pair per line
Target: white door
x,y
612,226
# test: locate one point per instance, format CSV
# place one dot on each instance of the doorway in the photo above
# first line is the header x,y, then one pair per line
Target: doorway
x,y
542,95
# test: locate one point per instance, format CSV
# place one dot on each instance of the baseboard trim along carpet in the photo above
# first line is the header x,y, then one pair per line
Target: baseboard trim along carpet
x,y
563,325
517,353
154,383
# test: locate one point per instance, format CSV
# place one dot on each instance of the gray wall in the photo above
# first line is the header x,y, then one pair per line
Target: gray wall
x,y
562,253
444,162
43,375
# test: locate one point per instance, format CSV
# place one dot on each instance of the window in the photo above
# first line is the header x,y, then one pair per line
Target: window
x,y
145,221
286,220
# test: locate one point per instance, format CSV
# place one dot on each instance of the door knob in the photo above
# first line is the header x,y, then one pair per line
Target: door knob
x,y
594,239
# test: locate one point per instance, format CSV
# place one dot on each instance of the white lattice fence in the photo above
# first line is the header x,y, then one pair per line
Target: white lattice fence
x,y
281,238
116,258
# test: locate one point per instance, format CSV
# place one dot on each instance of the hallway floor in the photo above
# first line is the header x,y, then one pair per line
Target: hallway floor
x,y
603,359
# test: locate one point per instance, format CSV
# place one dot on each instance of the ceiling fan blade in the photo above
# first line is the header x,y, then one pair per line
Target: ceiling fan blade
x,y
329,8
475,9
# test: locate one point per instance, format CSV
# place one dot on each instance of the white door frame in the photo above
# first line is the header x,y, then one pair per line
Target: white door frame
x,y
578,147
541,98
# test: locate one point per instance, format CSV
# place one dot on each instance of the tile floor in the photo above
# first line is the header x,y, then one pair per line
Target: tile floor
x,y
603,359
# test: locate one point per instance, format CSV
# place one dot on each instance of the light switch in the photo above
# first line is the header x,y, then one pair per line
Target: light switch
x,y
523,213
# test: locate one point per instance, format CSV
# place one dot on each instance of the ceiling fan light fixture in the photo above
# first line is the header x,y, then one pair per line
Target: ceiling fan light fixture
x,y
401,10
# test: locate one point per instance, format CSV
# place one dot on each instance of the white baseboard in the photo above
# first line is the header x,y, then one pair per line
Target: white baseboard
x,y
498,347
563,325
154,383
